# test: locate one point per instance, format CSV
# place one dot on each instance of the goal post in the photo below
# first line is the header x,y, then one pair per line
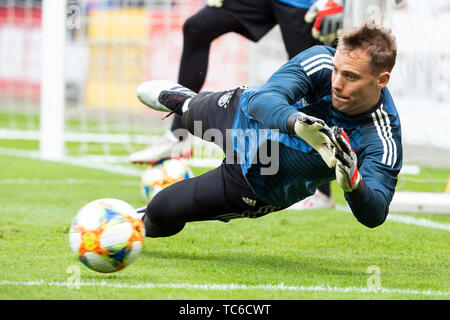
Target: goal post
x,y
52,120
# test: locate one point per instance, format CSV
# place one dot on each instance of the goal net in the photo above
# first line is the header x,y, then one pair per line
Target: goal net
x,y
110,46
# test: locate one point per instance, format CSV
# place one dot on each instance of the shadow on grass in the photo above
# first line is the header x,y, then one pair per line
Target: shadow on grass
x,y
258,262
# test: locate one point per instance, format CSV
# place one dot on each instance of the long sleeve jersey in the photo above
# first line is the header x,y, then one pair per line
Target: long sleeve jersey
x,y
304,84
298,3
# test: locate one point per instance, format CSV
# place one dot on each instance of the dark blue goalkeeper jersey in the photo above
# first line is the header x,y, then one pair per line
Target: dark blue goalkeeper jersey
x,y
304,84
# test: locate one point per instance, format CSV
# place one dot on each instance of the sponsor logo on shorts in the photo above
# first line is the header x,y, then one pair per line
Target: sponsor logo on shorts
x,y
225,99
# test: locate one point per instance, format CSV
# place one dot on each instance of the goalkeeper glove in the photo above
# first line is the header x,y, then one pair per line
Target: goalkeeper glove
x,y
215,3
327,16
347,174
317,134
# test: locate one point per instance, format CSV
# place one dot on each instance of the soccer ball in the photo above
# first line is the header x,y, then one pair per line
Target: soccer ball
x,y
107,235
163,174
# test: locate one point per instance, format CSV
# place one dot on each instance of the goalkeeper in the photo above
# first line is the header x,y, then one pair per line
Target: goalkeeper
x,y
324,115
302,23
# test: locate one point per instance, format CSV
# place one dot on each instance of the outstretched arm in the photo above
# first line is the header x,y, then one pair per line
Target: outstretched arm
x,y
369,193
306,75
273,103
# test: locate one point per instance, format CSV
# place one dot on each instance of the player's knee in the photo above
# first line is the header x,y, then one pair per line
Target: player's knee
x,y
195,31
154,230
159,221
372,222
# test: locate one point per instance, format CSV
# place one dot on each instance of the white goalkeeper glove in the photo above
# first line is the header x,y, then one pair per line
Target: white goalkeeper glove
x,y
215,3
347,174
327,16
317,134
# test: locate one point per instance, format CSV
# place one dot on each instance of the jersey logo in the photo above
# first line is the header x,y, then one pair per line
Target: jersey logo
x,y
248,213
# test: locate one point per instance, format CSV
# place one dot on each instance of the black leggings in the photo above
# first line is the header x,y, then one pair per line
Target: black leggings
x,y
251,19
220,194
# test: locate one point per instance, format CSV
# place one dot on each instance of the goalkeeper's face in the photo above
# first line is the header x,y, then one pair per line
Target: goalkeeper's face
x,y
355,86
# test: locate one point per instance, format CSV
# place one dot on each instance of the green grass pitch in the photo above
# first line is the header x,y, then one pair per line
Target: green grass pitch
x,y
319,254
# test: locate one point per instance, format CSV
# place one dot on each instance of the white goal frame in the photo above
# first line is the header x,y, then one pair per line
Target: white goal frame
x,y
52,120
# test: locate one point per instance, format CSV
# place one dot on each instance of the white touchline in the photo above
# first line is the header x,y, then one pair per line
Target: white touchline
x,y
227,287
77,161
130,171
421,222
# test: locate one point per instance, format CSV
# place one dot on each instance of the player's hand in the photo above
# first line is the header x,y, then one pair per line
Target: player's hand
x,y
347,174
318,135
327,16
215,3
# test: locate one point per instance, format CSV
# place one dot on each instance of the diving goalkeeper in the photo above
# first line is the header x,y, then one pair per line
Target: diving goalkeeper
x,y
326,114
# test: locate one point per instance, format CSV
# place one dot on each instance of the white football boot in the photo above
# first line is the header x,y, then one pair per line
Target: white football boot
x,y
318,200
164,95
169,147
